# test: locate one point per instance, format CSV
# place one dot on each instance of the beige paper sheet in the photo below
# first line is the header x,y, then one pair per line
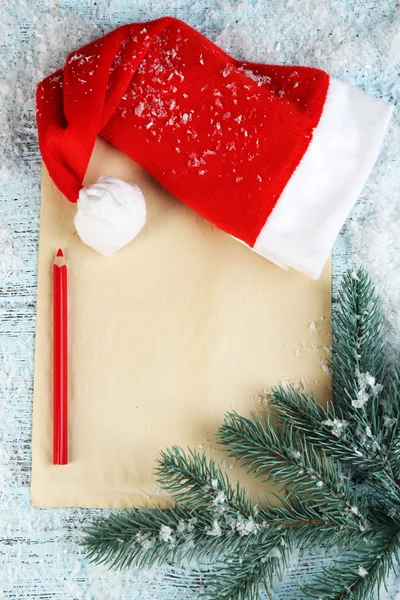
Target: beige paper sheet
x,y
167,335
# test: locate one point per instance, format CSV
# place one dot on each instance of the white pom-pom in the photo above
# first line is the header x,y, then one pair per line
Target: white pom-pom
x,y
110,214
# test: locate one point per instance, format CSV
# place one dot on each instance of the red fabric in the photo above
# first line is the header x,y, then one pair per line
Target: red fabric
x,y
223,136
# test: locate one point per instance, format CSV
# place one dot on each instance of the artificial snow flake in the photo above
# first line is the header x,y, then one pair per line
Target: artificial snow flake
x,y
295,454
215,530
230,521
220,498
145,540
259,79
246,526
337,425
365,379
190,525
182,526
388,422
325,369
362,572
166,534
313,327
368,387
361,400
139,109
228,69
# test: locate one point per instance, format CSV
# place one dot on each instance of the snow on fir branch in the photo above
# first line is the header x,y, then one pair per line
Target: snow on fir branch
x,y
336,468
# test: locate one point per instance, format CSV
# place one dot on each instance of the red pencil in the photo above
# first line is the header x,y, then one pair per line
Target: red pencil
x,y
60,361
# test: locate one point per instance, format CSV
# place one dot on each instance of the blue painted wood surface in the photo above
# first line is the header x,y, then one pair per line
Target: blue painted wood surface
x,y
40,555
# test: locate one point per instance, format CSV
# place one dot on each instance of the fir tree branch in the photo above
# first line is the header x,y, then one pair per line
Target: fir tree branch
x,y
357,343
357,328
285,456
311,524
358,363
198,482
329,431
395,457
391,418
321,425
148,537
244,575
362,573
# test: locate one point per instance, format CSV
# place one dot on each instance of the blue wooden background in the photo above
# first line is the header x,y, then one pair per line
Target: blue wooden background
x,y
356,40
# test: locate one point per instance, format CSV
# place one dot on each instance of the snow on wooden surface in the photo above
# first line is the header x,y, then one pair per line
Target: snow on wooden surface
x,y
355,40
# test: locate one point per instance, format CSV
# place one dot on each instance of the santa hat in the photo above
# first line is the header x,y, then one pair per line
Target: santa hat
x,y
274,155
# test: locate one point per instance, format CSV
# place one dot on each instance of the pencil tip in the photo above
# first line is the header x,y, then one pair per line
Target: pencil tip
x,y
60,252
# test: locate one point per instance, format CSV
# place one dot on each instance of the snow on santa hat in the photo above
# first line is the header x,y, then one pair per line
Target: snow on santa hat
x,y
274,155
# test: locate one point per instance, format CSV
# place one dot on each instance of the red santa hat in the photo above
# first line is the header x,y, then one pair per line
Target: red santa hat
x,y
274,155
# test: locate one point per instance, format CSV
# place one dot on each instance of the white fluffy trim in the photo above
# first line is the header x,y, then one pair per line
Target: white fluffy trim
x,y
309,214
110,214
